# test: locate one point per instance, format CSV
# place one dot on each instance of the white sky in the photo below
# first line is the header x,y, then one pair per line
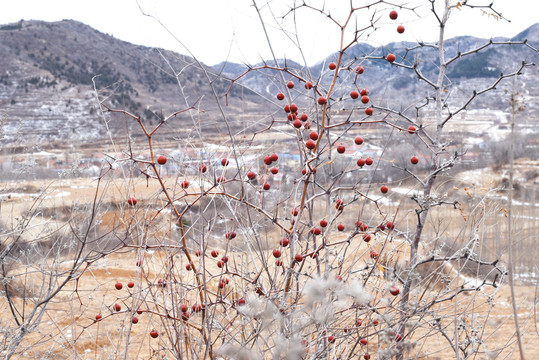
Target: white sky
x,y
213,30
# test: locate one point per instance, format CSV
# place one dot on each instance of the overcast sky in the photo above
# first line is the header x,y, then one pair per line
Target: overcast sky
x,y
213,30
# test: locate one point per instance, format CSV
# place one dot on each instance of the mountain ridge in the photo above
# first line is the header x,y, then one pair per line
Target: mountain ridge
x,y
49,70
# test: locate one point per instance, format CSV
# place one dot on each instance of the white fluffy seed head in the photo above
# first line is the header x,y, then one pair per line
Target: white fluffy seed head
x,y
257,307
291,349
229,351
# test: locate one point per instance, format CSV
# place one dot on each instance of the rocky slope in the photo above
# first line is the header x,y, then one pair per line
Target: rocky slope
x,y
48,72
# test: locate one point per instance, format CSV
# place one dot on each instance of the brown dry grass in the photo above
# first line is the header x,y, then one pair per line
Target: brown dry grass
x,y
69,330
67,320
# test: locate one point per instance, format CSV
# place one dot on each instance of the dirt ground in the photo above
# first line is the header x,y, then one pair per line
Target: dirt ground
x,y
68,328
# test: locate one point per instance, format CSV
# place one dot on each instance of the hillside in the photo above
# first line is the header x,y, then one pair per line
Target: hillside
x,y
47,69
47,72
392,86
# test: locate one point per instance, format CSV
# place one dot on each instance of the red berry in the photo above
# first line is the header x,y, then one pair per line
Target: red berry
x,y
202,168
384,189
297,123
154,333
362,226
224,259
363,341
414,160
266,186
117,307
214,253
287,108
364,92
308,85
251,175
322,100
220,179
139,263
390,58
162,160
185,316
358,322
119,286
185,184
293,108
400,29
390,225
225,162
221,284
393,15
303,117
374,255
394,291
340,227
241,301
323,223
367,237
130,284
358,140
412,129
284,242
188,267
134,320
220,264
161,283
132,201
310,144
360,162
313,135
368,161
290,84
277,253
139,311
267,160
98,317
295,211
298,257
331,339
365,99
196,308
341,149
375,322
274,157
280,96
339,204
354,94
316,231
332,66
368,111
274,170
398,337
230,235
360,69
